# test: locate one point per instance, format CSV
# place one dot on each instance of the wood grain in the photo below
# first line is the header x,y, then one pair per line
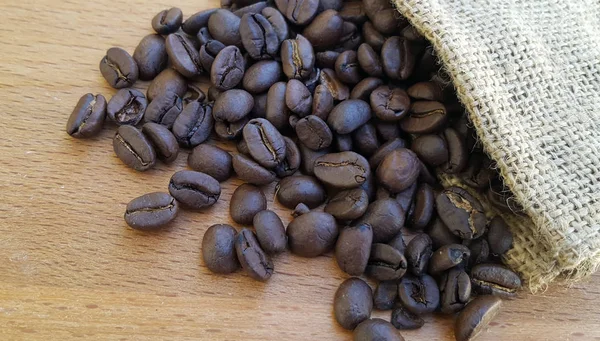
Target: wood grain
x,y
70,267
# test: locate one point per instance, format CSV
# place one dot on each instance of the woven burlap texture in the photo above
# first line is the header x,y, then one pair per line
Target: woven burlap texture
x,y
528,73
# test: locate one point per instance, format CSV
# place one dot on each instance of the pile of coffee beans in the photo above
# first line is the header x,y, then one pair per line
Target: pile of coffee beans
x,y
345,106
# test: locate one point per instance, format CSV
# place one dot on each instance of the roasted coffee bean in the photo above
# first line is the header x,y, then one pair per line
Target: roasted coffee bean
x,y
425,117
218,249
342,170
299,210
424,207
325,30
253,259
203,36
458,156
297,57
426,175
369,60
312,234
495,279
194,190
151,211
418,254
291,162
405,320
259,37
499,236
119,68
480,252
261,76
364,88
194,23
375,330
387,130
167,21
150,56
167,80
270,231
259,110
372,36
339,91
347,68
330,4
211,160
343,142
419,295
398,58
194,125
384,150
476,317
398,170
298,12
351,37
265,143
233,105
277,111
250,171
194,93
127,107
313,132
390,104
255,8
208,53
411,33
353,249
278,22
183,55
225,27
164,109
300,189
385,295
405,198
431,149
227,69
379,13
348,204
370,187
398,243
247,200
479,172
298,98
322,102
440,234
162,139
230,131
428,91
326,59
133,148
349,115
364,139
455,288
308,158
448,256
353,303
386,263
354,12
386,217
313,80
461,212
87,117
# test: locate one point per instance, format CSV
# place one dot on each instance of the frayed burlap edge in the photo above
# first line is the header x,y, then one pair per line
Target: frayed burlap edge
x,y
536,255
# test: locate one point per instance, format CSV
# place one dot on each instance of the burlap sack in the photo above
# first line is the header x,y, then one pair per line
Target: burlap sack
x,y
528,73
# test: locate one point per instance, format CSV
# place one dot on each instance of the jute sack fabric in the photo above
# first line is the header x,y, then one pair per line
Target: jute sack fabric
x,y
528,73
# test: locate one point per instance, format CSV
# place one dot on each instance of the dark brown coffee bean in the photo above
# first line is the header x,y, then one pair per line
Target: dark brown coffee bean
x,y
479,172
322,102
225,27
480,252
164,109
354,12
259,110
291,162
300,189
167,80
431,149
183,55
278,22
325,30
261,76
330,4
339,91
227,69
276,111
448,256
87,117
343,142
351,37
298,12
162,139
495,279
364,88
426,175
348,204
167,21
390,104
342,170
255,8
375,330
298,98
194,125
398,170
247,200
405,320
253,259
133,148
428,91
440,234
211,160
418,254
476,317
458,156
119,68
385,295
419,295
425,117
384,150
369,60
411,33
313,132
270,231
265,143
424,207
150,56
127,107
387,130
203,36
208,53
194,190
353,303
398,58
347,68
233,105
299,210
326,59
297,57
259,36
194,93
308,158
364,139
250,171
461,212
218,249
194,23
312,234
455,288
386,263
499,236
353,249
372,36
349,115
379,13
398,243
230,131
386,217
151,211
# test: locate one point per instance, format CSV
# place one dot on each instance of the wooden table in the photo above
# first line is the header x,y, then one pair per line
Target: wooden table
x,y
71,269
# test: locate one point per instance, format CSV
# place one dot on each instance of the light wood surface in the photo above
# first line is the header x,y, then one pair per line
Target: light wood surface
x,y
71,269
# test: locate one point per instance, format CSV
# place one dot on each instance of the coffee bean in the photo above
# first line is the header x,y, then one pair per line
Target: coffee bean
x,y
342,170
208,53
259,110
167,80
348,204
291,162
354,12
297,57
203,36
343,142
372,36
385,295
164,109
386,217
225,27
232,105
330,4
411,33
428,91
364,139
455,288
277,111
299,210
247,200
259,37
424,207
277,21
448,256
298,98
119,68
384,150
383,16
162,139
167,21
261,76
325,30
390,104
387,130
353,303
479,172
480,252
326,59
349,115
405,198
298,12
398,58
265,143
253,259
431,149
230,131
364,88
339,91
218,249
194,125
308,158
351,37
347,68
313,132
440,234
211,160
151,211
419,295
386,263
370,187
457,150
322,102
369,60
194,93
133,148
499,236
425,117
353,249
495,279
254,8
405,320
376,329
300,189
398,243
476,317
87,117
418,254
461,212
198,20
150,56
227,69
183,55
398,170
312,234
194,190
250,171
270,231
426,175
127,107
